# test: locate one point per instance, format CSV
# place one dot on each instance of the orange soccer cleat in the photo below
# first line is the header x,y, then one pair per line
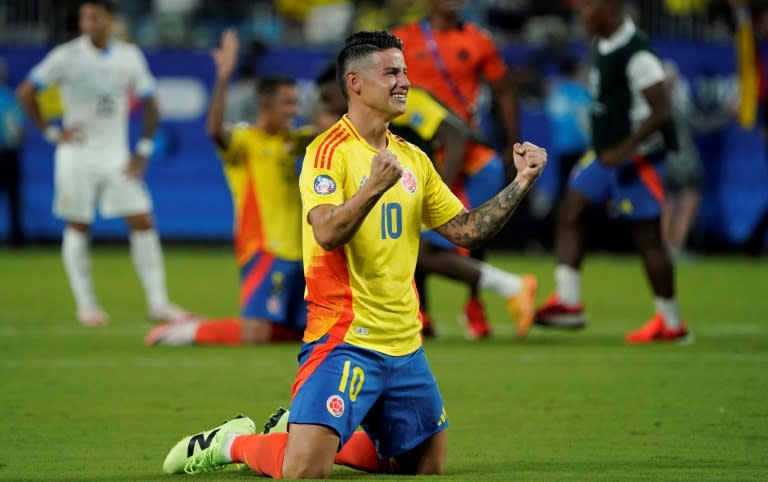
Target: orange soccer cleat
x,y
522,306
656,330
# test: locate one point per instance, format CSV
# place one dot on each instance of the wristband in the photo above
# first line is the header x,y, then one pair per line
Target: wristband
x,y
52,134
145,147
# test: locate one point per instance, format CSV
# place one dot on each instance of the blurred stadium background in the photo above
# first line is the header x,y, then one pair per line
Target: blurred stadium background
x,y
95,404
299,38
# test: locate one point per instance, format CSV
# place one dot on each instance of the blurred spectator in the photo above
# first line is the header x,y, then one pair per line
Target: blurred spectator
x,y
242,101
567,105
241,97
683,171
324,21
508,18
11,133
386,15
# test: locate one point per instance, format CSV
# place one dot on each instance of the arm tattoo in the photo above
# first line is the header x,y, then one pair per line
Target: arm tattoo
x,y
343,225
470,229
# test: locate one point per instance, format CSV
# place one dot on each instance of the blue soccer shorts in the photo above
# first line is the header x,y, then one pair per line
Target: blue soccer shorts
x,y
272,289
634,189
473,190
394,398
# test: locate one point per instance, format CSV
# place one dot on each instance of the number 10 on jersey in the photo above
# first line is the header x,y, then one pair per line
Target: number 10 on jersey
x,y
391,220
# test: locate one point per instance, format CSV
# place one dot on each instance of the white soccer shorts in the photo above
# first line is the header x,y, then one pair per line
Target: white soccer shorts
x,y
85,177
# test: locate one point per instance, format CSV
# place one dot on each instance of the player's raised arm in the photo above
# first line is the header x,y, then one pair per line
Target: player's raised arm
x,y
334,226
225,58
471,229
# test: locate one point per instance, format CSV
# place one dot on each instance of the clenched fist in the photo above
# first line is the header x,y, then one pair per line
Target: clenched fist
x,y
530,160
385,171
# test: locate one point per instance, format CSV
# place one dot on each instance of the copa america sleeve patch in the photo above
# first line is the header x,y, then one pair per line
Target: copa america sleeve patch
x,y
324,185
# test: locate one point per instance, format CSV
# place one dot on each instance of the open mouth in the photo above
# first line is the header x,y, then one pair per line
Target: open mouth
x,y
401,96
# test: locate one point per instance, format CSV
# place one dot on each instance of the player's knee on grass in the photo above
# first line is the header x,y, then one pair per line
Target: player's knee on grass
x,y
427,459
310,452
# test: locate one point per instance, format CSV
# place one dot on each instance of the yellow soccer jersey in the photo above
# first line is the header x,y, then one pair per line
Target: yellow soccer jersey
x,y
260,170
363,293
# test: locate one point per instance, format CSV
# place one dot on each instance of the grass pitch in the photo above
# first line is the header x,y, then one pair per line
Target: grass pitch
x,y
95,404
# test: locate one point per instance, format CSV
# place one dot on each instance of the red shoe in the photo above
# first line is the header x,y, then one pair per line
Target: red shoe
x,y
474,321
427,328
656,330
555,314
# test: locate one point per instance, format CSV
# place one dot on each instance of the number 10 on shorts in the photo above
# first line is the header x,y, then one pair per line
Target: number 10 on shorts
x,y
355,384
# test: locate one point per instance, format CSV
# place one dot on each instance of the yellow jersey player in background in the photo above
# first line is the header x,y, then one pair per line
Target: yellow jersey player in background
x,y
259,163
365,194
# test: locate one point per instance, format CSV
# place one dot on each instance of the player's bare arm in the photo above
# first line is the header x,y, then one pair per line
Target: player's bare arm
x,y
471,229
452,135
225,58
27,95
334,226
656,96
139,159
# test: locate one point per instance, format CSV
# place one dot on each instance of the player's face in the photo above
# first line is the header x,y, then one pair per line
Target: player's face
x,y
95,22
593,13
446,7
332,98
384,83
285,106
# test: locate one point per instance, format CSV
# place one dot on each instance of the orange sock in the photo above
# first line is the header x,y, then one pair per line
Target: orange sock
x,y
222,331
360,453
263,453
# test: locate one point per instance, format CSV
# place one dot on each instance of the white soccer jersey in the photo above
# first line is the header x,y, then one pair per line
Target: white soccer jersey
x,y
95,86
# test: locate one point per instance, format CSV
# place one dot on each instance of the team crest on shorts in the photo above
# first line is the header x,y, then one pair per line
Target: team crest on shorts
x,y
335,405
273,305
324,185
408,180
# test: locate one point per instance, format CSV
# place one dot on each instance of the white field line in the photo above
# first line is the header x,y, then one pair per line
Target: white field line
x,y
543,357
140,362
141,328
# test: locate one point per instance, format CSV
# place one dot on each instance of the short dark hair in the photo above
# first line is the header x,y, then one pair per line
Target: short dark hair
x,y
363,44
269,84
108,5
